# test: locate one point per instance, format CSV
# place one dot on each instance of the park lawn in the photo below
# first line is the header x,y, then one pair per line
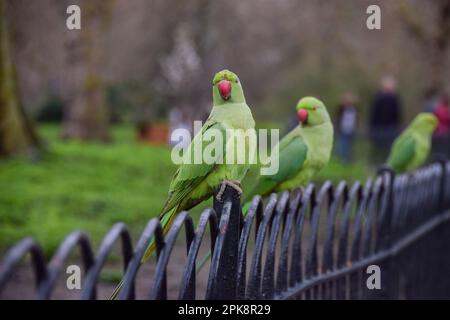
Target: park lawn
x,y
86,186
336,171
91,186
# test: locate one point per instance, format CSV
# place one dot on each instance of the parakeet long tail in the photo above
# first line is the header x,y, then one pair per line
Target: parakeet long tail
x,y
166,222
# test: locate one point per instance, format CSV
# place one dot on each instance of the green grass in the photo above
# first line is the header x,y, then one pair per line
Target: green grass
x,y
84,186
336,171
91,186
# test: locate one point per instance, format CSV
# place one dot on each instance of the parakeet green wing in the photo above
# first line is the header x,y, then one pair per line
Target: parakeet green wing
x,y
291,157
402,153
189,176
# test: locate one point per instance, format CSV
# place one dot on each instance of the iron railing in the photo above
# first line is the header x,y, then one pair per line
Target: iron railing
x,y
308,244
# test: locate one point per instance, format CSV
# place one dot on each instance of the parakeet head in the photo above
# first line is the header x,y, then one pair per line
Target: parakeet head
x,y
311,112
227,88
424,122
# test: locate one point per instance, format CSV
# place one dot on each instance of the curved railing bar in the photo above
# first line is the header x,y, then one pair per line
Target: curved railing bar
x,y
419,179
371,218
308,201
399,194
311,253
384,229
255,212
216,255
355,246
154,230
159,292
355,252
57,262
428,180
312,266
15,255
424,179
343,256
254,279
355,198
339,200
446,201
376,215
119,230
283,270
268,282
440,186
410,207
187,286
404,204
447,184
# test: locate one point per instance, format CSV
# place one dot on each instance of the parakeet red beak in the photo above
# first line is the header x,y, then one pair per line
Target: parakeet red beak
x,y
302,115
224,87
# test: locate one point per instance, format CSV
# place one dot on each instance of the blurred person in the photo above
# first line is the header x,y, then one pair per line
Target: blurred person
x,y
347,117
178,120
442,112
430,100
385,118
442,134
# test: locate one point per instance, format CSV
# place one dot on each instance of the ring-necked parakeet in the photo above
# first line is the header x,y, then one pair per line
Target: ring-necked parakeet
x,y
195,182
302,152
410,150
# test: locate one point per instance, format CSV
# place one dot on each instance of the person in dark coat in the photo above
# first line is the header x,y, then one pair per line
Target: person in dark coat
x,y
385,119
347,123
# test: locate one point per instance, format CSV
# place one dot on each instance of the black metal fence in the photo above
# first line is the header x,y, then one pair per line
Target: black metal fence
x,y
308,244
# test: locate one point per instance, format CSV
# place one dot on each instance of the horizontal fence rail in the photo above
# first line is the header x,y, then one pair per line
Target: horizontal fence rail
x,y
307,244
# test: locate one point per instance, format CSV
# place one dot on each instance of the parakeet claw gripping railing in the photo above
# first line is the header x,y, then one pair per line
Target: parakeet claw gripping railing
x,y
399,223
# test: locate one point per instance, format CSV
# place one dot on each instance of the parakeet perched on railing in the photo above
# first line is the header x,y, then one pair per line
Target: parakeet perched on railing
x,y
196,181
303,152
412,147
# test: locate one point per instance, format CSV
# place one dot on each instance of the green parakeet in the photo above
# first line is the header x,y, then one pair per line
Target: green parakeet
x,y
411,148
302,152
196,181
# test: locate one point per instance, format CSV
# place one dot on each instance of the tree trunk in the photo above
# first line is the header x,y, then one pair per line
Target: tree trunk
x,y
435,43
440,42
86,115
16,131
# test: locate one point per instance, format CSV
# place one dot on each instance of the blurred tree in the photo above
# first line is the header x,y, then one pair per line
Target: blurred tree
x,y
142,80
16,131
433,37
185,69
86,114
280,49
51,110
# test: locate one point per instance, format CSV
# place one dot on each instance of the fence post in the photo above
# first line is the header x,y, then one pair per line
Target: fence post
x,y
226,277
389,278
